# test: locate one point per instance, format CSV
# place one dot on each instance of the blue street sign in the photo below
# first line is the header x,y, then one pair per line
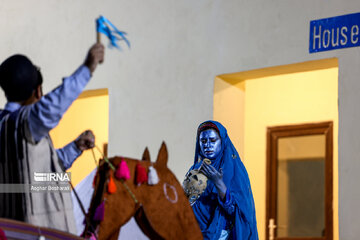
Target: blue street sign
x,y
334,33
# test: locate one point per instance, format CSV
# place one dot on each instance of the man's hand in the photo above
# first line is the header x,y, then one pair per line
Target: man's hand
x,y
94,56
85,141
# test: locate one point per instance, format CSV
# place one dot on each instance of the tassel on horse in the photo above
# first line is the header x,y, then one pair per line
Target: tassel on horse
x,y
111,187
141,174
153,177
122,171
99,212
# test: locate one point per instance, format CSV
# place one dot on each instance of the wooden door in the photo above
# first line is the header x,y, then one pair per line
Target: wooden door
x,y
299,182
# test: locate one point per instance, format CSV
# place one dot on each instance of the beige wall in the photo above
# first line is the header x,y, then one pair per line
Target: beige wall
x,y
162,88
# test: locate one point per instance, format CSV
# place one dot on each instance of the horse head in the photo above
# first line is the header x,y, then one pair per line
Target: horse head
x,y
162,211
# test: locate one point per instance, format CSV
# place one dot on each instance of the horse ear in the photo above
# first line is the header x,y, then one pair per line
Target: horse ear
x,y
146,155
163,155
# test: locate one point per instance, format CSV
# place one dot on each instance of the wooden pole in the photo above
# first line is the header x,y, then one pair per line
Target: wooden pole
x,y
98,40
98,37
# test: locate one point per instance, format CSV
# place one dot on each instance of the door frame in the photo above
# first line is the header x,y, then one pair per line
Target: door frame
x,y
273,134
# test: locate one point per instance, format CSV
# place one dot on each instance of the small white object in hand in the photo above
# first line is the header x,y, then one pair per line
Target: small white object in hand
x,y
41,237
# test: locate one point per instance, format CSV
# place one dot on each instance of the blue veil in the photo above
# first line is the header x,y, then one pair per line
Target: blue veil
x,y
210,215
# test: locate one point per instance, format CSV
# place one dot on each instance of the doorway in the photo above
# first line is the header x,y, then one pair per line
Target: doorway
x,y
300,182
248,103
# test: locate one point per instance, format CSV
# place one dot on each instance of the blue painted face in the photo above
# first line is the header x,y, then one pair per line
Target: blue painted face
x,y
210,143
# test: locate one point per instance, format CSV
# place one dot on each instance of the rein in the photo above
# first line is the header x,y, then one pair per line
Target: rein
x,y
87,220
130,192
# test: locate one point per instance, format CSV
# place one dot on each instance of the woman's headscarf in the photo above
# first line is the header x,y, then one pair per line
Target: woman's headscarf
x,y
210,215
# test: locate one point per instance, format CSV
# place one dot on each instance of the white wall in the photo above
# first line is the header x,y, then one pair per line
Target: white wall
x,y
162,88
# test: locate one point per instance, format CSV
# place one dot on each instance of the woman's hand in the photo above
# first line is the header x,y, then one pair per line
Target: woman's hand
x,y
216,177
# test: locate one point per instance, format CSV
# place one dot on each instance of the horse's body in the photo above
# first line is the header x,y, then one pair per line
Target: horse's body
x,y
162,211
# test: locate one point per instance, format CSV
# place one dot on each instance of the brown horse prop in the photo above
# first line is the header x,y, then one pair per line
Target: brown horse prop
x,y
162,211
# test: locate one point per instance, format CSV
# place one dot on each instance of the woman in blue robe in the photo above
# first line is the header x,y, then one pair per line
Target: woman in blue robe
x,y
225,210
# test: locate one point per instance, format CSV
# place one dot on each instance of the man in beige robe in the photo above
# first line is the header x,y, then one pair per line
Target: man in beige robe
x,y
26,147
